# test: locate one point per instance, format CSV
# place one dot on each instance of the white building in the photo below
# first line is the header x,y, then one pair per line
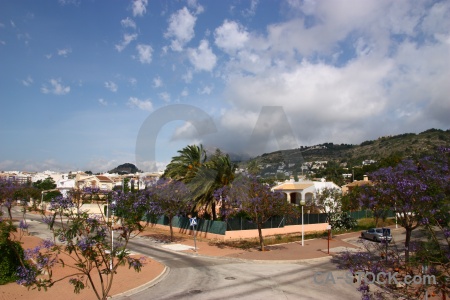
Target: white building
x,y
297,191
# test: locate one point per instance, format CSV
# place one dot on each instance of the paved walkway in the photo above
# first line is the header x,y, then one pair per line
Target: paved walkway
x,y
315,248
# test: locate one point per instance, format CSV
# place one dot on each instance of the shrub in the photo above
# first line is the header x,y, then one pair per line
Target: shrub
x,y
11,253
342,221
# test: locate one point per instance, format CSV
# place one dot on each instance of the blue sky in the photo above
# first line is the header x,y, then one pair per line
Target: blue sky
x,y
80,79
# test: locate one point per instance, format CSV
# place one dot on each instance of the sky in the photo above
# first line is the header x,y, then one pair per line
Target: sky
x,y
91,84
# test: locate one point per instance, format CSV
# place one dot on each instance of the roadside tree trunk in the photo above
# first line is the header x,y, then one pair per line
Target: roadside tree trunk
x,y
171,229
407,241
261,239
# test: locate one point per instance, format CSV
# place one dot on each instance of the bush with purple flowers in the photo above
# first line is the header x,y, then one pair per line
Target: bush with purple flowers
x,y
94,242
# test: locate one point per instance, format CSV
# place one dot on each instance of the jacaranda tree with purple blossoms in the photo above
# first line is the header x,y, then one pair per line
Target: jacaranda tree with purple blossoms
x,y
419,191
256,200
8,188
414,189
96,244
170,198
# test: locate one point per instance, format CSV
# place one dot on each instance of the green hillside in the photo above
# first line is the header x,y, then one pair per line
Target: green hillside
x,y
301,160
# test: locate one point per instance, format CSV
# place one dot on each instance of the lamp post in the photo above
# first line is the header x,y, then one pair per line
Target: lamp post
x,y
302,203
108,212
395,211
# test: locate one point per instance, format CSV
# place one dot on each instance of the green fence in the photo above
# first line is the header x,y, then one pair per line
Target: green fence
x,y
217,227
240,223
369,214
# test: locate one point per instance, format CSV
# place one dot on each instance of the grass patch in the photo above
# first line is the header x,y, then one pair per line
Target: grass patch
x,y
366,223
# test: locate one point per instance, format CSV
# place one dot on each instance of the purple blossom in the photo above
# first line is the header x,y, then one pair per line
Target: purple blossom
x,y
47,244
61,203
27,276
134,263
32,253
447,232
23,225
86,243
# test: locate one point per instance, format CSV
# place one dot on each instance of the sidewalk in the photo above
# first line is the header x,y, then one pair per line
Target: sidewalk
x,y
315,248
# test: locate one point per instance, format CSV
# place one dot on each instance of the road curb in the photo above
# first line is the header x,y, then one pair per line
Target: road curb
x,y
144,286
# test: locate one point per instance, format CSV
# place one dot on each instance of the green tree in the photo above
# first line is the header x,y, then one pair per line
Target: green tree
x,y
253,168
184,166
46,184
218,172
332,172
47,188
330,200
350,201
12,253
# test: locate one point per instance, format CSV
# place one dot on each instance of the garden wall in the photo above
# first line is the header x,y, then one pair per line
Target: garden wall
x,y
217,229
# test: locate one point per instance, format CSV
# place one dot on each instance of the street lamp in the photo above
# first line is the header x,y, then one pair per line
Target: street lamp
x,y
395,211
302,203
108,212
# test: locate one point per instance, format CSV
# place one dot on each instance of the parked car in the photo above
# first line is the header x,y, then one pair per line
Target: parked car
x,y
377,234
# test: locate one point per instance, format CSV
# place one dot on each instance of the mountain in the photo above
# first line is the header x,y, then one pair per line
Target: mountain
x,y
306,157
126,168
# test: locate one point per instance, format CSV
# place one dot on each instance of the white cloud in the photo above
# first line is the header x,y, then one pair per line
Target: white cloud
x,y
64,52
69,2
111,86
28,81
103,102
165,96
127,39
181,28
56,88
206,90
185,131
141,104
184,92
250,12
133,81
381,86
34,166
139,7
202,58
230,36
196,6
145,53
188,76
128,23
157,82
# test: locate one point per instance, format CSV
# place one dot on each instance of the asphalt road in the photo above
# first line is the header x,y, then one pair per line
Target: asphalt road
x,y
197,277
200,277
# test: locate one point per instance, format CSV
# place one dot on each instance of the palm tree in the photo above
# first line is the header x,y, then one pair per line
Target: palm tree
x,y
253,168
184,167
219,171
